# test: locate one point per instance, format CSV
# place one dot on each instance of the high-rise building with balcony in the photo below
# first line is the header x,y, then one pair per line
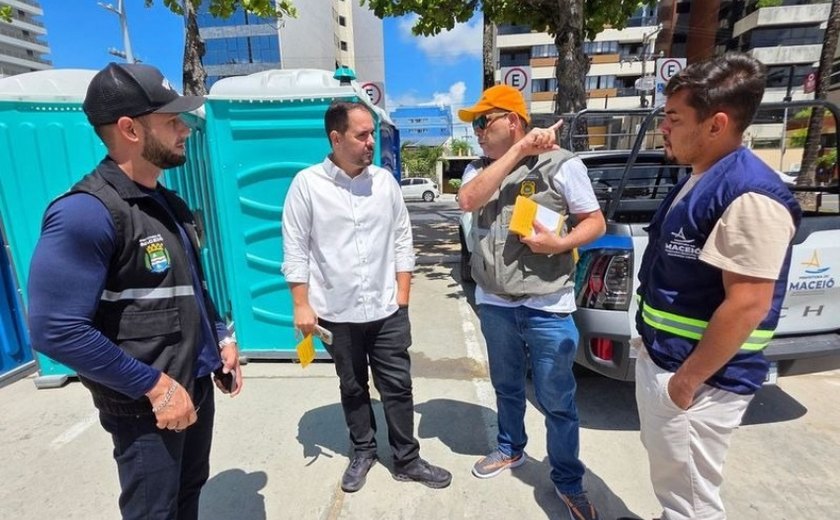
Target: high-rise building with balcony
x,y
22,45
618,58
785,35
326,34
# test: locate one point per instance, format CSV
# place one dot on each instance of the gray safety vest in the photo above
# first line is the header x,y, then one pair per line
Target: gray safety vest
x,y
501,264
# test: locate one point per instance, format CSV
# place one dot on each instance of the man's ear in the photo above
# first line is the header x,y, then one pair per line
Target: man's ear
x,y
334,137
127,128
719,124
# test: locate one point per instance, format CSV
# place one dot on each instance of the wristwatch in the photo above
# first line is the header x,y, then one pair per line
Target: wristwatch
x,y
227,340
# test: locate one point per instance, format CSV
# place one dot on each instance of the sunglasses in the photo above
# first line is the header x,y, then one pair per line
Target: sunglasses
x,y
483,121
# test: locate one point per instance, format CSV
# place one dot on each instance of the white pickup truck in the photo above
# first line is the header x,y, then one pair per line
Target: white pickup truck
x,y
630,184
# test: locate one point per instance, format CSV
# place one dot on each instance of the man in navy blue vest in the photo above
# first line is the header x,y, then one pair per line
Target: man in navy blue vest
x,y
713,278
117,294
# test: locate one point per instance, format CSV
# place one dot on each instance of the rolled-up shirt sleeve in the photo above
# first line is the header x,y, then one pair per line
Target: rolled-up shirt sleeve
x,y
297,227
403,241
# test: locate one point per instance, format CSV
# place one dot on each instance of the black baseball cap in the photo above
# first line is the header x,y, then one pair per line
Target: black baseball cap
x,y
133,89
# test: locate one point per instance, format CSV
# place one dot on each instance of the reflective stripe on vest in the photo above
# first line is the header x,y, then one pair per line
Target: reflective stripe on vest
x,y
692,328
148,294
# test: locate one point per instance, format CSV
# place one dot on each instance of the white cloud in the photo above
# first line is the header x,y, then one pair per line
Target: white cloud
x,y
453,97
464,40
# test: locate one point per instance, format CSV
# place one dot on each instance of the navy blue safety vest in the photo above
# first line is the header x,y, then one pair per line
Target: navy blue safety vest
x,y
679,292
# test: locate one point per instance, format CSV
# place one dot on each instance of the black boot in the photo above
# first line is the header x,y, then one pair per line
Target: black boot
x,y
356,473
421,471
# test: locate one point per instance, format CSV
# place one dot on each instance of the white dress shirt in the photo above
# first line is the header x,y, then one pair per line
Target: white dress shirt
x,y
347,238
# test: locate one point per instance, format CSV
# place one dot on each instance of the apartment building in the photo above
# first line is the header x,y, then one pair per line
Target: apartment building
x,y
326,34
618,59
423,125
785,35
22,44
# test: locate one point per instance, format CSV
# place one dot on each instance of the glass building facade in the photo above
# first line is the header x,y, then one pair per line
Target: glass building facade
x,y
241,44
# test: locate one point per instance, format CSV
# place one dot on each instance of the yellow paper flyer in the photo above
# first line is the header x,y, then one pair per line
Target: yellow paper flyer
x,y
305,351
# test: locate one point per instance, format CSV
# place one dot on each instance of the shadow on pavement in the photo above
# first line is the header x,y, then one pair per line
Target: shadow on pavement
x,y
535,473
460,426
234,494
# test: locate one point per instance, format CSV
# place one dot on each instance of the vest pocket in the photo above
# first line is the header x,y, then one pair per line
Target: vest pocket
x,y
146,324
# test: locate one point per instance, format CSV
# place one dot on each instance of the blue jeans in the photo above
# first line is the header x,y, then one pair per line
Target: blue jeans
x,y
515,336
162,471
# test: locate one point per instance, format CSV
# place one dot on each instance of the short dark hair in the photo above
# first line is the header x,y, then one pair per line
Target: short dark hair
x,y
336,116
732,83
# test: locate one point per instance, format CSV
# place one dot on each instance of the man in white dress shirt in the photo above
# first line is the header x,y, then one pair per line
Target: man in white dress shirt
x,y
348,259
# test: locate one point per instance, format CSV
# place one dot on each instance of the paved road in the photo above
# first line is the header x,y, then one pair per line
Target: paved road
x,y
280,448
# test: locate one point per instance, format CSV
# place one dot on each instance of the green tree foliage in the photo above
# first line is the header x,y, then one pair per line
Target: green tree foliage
x,y
419,161
568,22
460,147
194,74
6,13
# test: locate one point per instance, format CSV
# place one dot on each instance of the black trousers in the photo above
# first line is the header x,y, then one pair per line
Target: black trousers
x,y
382,345
162,471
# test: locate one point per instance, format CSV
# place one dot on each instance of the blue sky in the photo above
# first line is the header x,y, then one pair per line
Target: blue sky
x,y
445,69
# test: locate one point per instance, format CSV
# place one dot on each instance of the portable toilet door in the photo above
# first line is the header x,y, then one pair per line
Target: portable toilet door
x,y
262,129
15,353
193,183
389,144
46,145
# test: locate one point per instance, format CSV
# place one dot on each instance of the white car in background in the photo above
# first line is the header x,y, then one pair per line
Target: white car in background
x,y
419,188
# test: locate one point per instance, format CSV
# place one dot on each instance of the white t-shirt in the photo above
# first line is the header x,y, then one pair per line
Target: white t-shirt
x,y
572,181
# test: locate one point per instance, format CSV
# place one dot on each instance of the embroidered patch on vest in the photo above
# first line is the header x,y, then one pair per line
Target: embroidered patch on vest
x,y
527,188
157,257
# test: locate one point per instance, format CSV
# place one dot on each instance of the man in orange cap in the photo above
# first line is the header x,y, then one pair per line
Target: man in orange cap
x,y
525,285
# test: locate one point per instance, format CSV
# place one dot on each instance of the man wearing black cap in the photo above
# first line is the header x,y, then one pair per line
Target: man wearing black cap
x,y
117,294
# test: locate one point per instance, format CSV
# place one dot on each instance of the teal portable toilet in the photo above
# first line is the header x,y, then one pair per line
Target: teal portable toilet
x,y
193,183
46,145
262,130
15,353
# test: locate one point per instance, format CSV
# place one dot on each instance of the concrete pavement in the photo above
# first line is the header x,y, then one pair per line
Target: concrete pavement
x,y
281,447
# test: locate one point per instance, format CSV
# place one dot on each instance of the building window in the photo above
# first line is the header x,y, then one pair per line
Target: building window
x,y
515,58
342,21
544,85
343,46
544,51
592,48
599,82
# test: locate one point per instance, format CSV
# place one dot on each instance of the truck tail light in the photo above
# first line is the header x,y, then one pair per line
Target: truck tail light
x,y
601,348
604,279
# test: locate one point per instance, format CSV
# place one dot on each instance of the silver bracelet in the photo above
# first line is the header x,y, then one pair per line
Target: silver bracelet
x,y
166,398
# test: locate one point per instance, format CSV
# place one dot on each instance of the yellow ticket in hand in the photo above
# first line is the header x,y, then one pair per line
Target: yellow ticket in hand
x,y
305,351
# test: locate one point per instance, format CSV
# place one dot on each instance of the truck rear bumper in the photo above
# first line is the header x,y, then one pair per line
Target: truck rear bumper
x,y
797,355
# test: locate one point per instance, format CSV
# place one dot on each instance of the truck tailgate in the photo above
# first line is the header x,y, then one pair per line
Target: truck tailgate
x,y
812,303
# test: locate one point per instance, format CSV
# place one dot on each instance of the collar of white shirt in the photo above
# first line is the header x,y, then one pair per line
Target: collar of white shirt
x,y
338,174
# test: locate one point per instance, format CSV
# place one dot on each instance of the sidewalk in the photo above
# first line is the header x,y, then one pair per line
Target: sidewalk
x,y
281,447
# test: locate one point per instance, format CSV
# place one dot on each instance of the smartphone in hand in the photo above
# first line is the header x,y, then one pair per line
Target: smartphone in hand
x,y
228,381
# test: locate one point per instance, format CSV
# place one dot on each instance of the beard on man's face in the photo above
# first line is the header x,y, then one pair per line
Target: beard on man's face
x,y
156,153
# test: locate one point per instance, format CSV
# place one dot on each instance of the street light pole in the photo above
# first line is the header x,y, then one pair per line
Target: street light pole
x,y
787,99
120,12
645,56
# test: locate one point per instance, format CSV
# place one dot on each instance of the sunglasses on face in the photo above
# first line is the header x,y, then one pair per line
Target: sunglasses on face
x,y
483,121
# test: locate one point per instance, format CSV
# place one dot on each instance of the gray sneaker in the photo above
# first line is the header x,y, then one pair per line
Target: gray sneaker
x,y
495,463
580,508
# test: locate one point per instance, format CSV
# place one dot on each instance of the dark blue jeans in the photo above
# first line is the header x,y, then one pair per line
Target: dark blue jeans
x,y
161,472
513,336
382,344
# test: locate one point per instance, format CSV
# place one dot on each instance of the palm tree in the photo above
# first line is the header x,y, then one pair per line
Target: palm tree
x,y
808,171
